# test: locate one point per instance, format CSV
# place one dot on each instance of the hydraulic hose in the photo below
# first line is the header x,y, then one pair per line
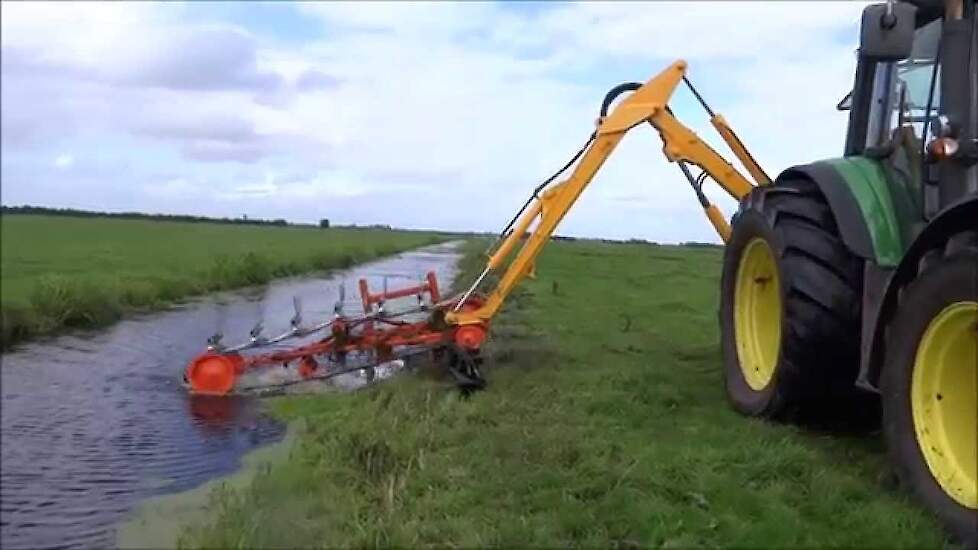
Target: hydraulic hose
x,y
615,92
605,105
546,182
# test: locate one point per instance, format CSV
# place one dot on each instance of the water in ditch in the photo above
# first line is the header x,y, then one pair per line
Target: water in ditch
x,y
94,423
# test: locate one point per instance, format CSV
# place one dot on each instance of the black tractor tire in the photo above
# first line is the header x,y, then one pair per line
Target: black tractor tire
x,y
945,276
820,284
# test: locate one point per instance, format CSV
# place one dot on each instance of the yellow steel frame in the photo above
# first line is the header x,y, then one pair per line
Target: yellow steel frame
x,y
680,144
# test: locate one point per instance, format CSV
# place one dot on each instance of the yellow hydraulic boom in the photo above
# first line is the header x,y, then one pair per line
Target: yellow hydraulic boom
x,y
548,205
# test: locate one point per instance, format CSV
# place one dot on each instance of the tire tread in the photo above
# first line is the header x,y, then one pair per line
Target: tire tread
x,y
822,288
956,253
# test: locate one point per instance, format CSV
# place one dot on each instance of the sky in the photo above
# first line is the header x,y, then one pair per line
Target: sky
x,y
420,115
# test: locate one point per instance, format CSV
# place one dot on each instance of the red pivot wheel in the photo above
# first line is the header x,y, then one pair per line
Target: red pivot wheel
x,y
212,374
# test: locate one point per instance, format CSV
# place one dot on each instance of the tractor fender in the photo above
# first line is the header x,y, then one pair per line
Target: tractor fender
x,y
959,216
862,205
848,216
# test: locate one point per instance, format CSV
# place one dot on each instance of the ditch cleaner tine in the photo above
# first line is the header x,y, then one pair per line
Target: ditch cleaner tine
x,y
464,367
214,342
255,334
420,294
380,304
338,306
297,316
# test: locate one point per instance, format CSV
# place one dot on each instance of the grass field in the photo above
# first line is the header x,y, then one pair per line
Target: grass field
x,y
605,423
60,272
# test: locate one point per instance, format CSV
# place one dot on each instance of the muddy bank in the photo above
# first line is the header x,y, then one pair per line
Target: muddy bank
x,y
157,523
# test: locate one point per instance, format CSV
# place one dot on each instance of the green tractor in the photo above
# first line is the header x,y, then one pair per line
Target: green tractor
x,y
850,285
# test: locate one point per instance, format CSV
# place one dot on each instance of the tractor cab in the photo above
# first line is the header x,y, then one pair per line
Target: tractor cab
x,y
913,99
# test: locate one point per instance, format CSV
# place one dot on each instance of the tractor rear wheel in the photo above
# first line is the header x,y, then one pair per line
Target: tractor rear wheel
x,y
790,309
929,386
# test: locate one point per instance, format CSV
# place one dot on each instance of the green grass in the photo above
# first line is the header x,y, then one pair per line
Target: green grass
x,y
605,423
60,272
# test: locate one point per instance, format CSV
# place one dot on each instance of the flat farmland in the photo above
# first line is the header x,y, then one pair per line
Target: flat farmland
x,y
62,272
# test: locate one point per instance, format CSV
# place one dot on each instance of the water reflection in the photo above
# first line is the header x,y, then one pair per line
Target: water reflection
x,y
215,413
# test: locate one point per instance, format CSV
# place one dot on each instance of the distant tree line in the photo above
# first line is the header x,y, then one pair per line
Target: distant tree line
x,y
243,220
76,213
323,223
696,244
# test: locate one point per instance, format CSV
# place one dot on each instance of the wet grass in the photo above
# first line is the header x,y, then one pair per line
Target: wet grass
x,y
62,272
605,424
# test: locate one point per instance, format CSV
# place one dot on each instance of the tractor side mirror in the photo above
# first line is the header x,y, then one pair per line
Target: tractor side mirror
x,y
887,31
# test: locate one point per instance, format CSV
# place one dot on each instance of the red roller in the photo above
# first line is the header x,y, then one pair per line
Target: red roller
x,y
470,337
212,374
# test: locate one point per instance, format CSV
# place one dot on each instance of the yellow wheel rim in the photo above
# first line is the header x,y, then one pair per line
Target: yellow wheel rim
x,y
757,314
944,403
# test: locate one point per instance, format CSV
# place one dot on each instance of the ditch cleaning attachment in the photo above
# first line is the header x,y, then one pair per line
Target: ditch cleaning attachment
x,y
348,344
460,325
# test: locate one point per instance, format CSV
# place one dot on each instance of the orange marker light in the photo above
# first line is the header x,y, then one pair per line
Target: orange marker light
x,y
943,148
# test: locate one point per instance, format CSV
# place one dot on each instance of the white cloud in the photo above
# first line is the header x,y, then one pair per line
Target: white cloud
x,y
431,114
171,188
64,161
